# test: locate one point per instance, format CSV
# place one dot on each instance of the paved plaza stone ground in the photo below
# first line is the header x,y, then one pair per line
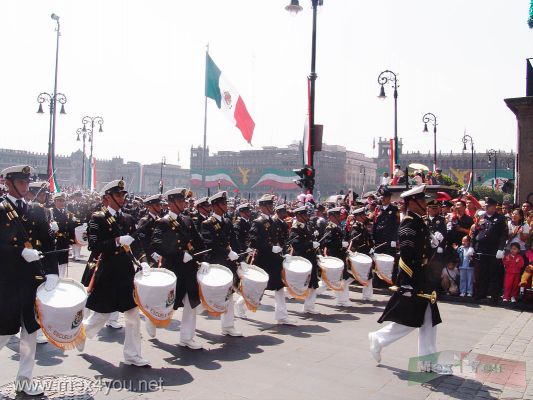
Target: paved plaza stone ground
x,y
323,357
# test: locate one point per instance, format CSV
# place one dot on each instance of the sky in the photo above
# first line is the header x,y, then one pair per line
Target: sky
x,y
140,65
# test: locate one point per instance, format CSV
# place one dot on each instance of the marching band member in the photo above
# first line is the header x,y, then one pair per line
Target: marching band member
x,y
146,228
218,235
335,245
63,226
176,239
361,242
203,211
264,239
241,228
304,245
25,233
409,306
111,288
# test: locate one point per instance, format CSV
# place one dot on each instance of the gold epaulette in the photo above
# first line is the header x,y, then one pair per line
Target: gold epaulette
x,y
407,217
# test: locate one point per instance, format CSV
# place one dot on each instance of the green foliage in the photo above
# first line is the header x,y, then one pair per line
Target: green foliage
x,y
449,181
484,191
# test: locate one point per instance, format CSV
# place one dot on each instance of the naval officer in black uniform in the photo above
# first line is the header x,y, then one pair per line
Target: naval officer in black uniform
x,y
24,235
217,232
407,308
112,235
176,239
264,240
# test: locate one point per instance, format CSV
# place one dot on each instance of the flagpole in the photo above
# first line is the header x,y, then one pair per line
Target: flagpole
x,y
205,128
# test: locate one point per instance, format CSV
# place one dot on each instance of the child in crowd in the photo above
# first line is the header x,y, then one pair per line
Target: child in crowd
x,y
466,269
526,276
449,277
513,263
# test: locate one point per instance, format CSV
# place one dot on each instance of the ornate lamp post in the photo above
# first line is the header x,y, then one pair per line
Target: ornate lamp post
x,y
163,162
384,78
84,134
493,154
432,119
88,124
465,139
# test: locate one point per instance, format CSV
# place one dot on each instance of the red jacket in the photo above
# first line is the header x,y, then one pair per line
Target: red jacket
x,y
513,264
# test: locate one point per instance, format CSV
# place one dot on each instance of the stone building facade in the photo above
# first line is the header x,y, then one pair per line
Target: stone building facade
x,y
139,178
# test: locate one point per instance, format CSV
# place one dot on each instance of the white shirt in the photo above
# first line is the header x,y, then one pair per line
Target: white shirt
x,y
14,199
217,217
516,239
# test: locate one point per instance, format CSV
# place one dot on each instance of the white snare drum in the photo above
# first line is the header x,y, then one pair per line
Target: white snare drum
x,y
80,233
60,313
332,268
296,275
384,266
360,264
253,283
215,287
154,294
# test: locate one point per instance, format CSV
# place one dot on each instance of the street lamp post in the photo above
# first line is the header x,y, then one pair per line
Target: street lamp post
x,y
432,119
465,139
362,170
294,8
163,162
80,133
384,78
52,99
88,124
493,154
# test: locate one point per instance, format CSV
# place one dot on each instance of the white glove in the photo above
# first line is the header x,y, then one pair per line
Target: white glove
x,y
51,282
407,293
249,250
434,241
470,252
186,257
156,257
125,240
393,244
232,255
371,251
54,226
315,233
499,254
244,266
440,250
316,245
438,236
145,268
204,268
345,244
276,249
31,255
287,257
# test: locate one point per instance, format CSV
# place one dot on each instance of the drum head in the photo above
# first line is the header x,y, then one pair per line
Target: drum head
x,y
298,265
331,263
218,275
67,294
159,277
254,273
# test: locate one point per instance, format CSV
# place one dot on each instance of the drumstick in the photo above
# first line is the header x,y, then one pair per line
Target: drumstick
x,y
52,252
246,252
202,252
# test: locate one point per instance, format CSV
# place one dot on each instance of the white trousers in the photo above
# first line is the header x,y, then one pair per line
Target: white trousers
x,y
132,333
113,316
344,294
76,250
188,320
309,303
62,270
27,348
427,334
227,319
368,291
280,307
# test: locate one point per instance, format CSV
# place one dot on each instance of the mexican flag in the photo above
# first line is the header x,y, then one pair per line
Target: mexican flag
x,y
276,179
228,99
213,179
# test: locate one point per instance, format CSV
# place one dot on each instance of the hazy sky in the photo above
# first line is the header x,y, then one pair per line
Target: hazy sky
x,y
140,65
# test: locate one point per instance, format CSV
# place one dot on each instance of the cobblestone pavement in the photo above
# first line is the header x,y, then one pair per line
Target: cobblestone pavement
x,y
324,356
508,346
